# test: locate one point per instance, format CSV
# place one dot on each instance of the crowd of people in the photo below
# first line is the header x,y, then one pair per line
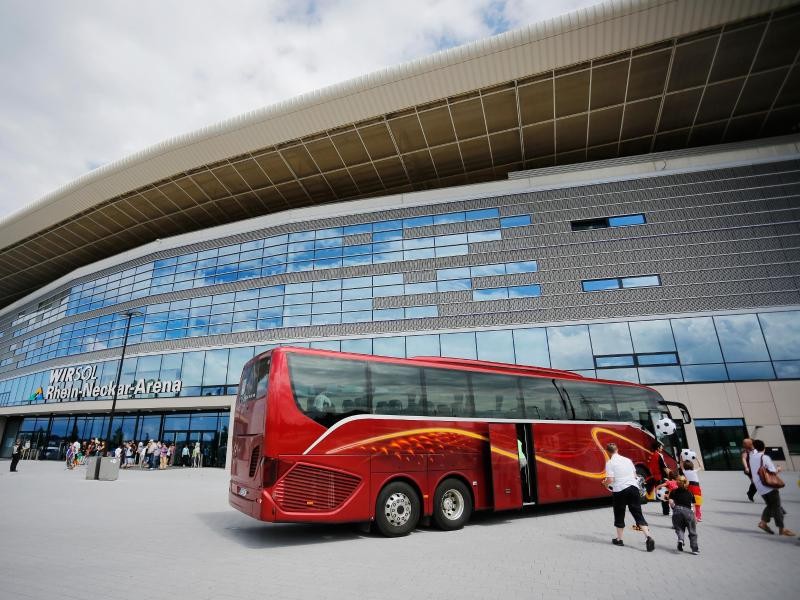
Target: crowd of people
x,y
678,491
150,455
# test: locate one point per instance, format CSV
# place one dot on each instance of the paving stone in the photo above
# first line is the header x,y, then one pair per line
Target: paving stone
x,y
172,535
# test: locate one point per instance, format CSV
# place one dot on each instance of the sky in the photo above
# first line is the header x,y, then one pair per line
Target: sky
x,y
88,83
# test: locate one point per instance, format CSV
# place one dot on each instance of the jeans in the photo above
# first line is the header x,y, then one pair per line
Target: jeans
x,y
683,519
773,508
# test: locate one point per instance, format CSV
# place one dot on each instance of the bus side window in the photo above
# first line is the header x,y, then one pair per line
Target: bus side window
x,y
324,387
541,399
392,385
447,390
635,404
496,396
591,401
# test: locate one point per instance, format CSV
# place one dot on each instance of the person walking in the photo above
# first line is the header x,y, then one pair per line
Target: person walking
x,y
196,455
659,471
681,501
621,477
163,452
694,487
747,450
16,454
185,456
772,496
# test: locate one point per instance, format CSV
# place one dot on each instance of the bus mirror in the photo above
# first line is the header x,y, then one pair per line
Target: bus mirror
x,y
685,416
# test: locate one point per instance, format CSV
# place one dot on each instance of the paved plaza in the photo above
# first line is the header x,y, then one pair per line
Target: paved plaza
x,y
153,535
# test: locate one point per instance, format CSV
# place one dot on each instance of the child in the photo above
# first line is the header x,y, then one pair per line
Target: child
x,y
694,487
681,500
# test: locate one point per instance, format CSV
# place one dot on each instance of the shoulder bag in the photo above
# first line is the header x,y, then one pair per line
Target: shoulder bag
x,y
768,478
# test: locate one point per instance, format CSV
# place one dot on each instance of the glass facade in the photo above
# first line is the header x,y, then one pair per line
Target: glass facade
x,y
753,346
323,302
46,438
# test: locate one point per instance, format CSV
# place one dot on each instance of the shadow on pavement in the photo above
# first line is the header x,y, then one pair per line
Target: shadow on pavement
x,y
254,534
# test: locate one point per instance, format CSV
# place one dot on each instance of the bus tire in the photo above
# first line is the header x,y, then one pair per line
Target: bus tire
x,y
397,510
452,504
642,475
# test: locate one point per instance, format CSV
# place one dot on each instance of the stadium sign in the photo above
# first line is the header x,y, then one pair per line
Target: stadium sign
x,y
63,385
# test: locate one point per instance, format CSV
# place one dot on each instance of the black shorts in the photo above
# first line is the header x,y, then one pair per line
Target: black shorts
x,y
628,498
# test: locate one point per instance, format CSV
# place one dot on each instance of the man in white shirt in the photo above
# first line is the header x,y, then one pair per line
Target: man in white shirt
x,y
621,479
772,497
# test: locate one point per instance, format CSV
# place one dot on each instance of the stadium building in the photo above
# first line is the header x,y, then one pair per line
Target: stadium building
x,y
615,192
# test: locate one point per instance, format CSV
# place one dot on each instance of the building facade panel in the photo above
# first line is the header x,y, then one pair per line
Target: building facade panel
x,y
685,280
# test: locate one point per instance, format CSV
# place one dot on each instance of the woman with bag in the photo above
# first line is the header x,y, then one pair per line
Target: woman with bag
x,y
767,481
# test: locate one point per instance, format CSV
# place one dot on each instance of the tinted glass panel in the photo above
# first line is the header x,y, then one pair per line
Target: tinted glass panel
x,y
652,336
644,281
530,347
626,220
541,399
697,340
595,285
394,346
327,388
591,401
741,339
669,358
752,370
458,345
610,338
782,331
447,393
422,345
613,361
396,389
495,396
633,403
570,348
497,346
660,374
704,373
787,369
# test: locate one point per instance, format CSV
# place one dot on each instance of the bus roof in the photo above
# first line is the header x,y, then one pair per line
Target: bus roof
x,y
464,363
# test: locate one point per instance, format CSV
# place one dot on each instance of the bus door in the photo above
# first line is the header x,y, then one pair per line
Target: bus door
x,y
506,479
673,444
527,463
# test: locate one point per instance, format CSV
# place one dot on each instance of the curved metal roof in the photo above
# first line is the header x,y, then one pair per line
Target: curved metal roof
x,y
620,78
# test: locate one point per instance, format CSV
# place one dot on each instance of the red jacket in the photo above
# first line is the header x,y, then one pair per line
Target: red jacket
x,y
657,466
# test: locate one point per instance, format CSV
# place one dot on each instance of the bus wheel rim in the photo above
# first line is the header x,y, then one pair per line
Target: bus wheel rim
x,y
452,504
397,509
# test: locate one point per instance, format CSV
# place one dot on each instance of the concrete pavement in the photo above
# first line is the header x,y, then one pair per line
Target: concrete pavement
x,y
153,535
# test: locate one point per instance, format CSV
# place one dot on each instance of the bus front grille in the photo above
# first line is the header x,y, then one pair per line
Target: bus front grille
x,y
309,488
254,455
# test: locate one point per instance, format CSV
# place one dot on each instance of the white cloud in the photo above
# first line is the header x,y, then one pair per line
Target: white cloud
x,y
83,86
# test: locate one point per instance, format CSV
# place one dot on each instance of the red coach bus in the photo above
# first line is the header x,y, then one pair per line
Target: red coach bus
x,y
323,436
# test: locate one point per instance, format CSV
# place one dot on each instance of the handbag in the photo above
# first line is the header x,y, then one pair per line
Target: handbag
x,y
768,478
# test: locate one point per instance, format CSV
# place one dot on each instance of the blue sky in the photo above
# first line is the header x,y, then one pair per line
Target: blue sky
x,y
90,83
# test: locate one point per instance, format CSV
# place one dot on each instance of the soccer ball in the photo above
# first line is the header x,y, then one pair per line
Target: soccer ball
x,y
687,454
662,494
665,426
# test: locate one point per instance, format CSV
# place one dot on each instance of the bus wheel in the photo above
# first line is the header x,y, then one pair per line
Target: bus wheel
x,y
452,504
641,481
397,510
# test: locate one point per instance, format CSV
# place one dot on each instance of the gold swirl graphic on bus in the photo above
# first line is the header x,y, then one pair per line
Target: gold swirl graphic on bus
x,y
423,440
601,447
446,439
